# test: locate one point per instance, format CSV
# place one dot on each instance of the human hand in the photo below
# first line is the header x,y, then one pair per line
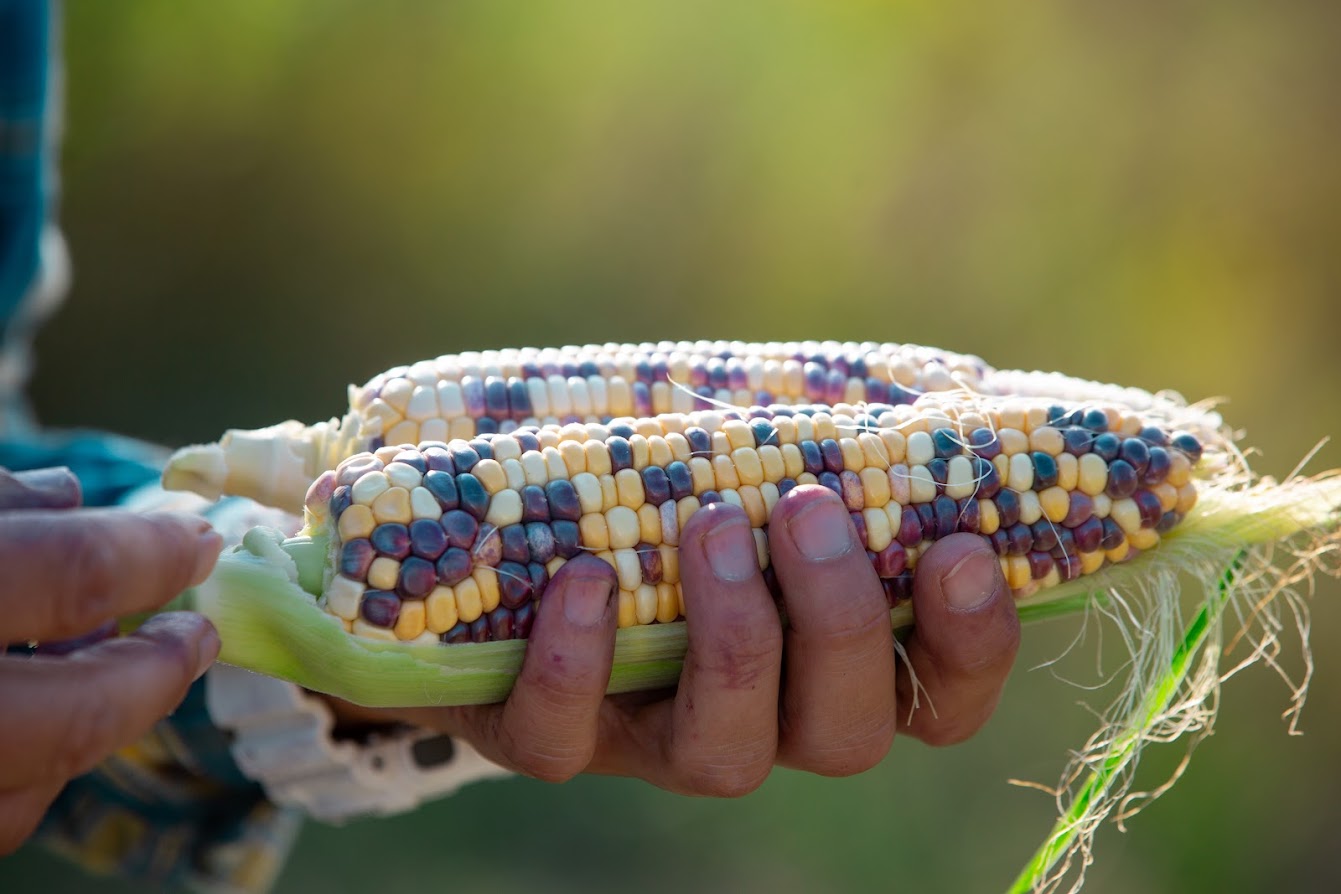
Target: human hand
x,y
68,573
833,705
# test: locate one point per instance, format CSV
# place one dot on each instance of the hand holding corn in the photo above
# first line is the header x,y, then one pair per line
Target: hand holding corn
x,y
831,708
65,580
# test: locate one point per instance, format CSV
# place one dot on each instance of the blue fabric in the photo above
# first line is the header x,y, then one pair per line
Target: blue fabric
x,y
25,37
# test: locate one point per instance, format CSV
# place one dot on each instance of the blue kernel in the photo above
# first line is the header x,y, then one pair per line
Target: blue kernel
x,y
1045,470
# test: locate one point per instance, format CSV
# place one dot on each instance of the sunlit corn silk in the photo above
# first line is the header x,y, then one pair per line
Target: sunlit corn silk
x,y
432,528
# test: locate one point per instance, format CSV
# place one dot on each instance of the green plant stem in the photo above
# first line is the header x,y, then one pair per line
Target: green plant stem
x,y
1155,703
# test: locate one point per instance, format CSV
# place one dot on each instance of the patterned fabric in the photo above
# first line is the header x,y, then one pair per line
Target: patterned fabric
x,y
173,809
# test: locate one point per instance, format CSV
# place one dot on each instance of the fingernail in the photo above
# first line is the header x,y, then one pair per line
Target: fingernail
x,y
58,480
207,650
820,531
730,549
585,600
208,547
971,582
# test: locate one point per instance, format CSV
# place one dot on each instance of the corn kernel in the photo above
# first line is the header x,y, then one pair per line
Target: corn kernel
x,y
382,573
441,610
355,522
594,531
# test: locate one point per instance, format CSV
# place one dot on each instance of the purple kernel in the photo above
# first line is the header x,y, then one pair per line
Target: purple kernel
x,y
967,509
940,473
926,514
527,441
460,633
427,539
1019,539
1000,542
567,538
682,482
812,460
454,566
1148,505
1040,564
1136,452
947,516
1008,507
488,549
1080,508
1158,468
649,558
356,556
353,469
501,624
786,485
1189,445
989,481
460,527
656,485
700,442
563,502
832,482
621,453
479,629
945,442
1044,535
392,539
540,542
1089,534
535,508
474,498
1095,420
891,561
1113,536
1106,447
1068,564
380,608
1168,521
514,545
464,456
1077,441
709,496
1154,436
984,443
910,527
1122,479
832,455
341,498
514,584
902,587
852,494
539,577
442,485
1066,542
417,578
859,523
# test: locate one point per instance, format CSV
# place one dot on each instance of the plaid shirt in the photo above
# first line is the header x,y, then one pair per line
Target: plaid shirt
x,y
172,810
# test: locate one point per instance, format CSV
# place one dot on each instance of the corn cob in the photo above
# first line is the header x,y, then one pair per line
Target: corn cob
x,y
457,397
456,540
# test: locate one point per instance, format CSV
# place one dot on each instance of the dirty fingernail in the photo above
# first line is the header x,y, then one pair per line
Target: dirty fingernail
x,y
729,546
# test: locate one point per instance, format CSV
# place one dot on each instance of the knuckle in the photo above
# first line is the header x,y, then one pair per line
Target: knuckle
x,y
90,591
89,733
726,780
547,761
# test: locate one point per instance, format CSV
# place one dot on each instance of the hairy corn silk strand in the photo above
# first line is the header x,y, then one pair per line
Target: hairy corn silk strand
x,y
439,506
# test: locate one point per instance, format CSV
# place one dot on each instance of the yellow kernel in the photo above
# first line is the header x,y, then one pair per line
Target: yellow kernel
x,y
1167,495
554,464
896,446
397,393
411,621
684,508
629,488
369,486
382,573
1051,579
771,463
1068,472
960,482
645,603
553,565
807,478
628,569
721,444
1119,552
574,457
547,437
921,486
628,609
406,432
433,430
670,564
1030,509
607,556
363,628
356,521
593,531
895,513
989,520
1021,475
648,428
792,461
1145,538
640,450
1091,562
1055,503
505,508
1092,476
769,491
1130,426
738,433
1002,463
393,506
342,597
486,579
724,473
786,429
536,469
854,460
609,492
491,475
1187,498
668,603
878,534
1125,513
749,469
1012,417
753,502
873,452
760,548
824,427
505,447
1013,441
921,449
659,452
441,608
1046,439
649,523
619,396
461,429
900,484
1180,468
1017,572
1103,504
701,474
874,485
598,457
588,489
679,446
622,523
1035,417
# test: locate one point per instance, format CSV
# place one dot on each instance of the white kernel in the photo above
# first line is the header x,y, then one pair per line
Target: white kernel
x,y
423,504
423,403
369,487
1021,476
403,475
505,508
921,449
343,596
959,479
921,486
451,403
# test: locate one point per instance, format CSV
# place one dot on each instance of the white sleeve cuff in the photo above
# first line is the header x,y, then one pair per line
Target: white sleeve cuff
x,y
282,739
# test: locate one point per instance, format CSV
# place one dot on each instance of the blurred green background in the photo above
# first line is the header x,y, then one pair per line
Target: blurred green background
x,y
267,201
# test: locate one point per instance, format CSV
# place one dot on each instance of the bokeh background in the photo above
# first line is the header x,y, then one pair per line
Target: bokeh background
x,y
266,201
